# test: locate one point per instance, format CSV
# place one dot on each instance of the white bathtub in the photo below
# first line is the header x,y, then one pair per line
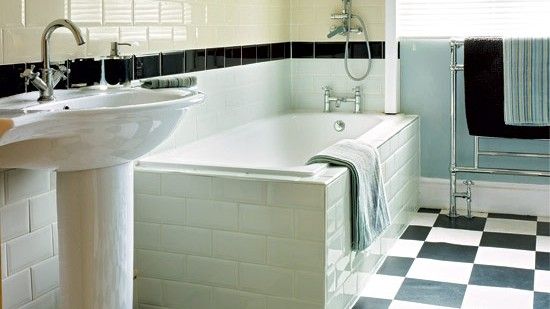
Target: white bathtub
x,y
275,146
237,220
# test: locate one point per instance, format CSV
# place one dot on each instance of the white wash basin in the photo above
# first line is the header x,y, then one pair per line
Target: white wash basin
x,y
88,128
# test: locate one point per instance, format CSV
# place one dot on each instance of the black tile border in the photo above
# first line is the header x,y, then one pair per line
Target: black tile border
x,y
187,61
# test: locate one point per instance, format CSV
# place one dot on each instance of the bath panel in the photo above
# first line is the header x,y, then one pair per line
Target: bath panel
x,y
208,236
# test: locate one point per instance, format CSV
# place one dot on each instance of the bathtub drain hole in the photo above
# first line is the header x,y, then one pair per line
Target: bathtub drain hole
x,y
339,126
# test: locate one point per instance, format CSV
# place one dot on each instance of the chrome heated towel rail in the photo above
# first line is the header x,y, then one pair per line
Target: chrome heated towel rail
x,y
455,67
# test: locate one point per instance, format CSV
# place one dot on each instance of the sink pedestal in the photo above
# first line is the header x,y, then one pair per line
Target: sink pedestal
x,y
96,237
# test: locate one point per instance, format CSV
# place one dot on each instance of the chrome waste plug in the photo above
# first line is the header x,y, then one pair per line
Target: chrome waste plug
x,y
339,125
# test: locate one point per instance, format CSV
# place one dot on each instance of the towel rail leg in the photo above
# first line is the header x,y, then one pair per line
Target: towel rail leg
x,y
452,194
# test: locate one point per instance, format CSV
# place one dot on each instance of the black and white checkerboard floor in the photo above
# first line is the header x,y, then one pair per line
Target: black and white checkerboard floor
x,y
491,261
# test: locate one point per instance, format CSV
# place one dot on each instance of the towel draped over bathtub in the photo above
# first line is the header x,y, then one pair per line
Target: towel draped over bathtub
x,y
369,210
526,81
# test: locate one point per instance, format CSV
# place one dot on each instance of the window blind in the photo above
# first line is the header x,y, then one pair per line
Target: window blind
x,y
461,18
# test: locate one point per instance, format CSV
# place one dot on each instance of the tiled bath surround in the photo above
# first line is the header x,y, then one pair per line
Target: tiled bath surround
x,y
29,239
208,241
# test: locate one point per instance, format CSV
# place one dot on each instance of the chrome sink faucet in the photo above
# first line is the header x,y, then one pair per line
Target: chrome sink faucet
x,y
50,77
356,99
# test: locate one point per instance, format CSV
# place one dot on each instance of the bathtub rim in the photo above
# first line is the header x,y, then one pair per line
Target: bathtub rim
x,y
377,136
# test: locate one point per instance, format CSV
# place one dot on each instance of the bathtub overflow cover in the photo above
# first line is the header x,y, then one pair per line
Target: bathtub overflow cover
x,y
339,126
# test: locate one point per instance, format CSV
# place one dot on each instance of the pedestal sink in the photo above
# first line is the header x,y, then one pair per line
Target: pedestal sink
x,y
90,138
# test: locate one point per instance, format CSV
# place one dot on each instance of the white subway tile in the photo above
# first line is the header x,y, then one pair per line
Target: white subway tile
x,y
289,194
45,277
55,237
43,210
171,12
186,295
335,248
212,271
47,301
187,240
149,291
86,12
266,279
276,303
234,299
160,39
213,214
240,247
181,185
245,191
309,225
266,220
27,250
147,236
40,13
117,12
14,220
309,286
140,45
18,287
3,260
22,183
11,13
145,182
160,209
160,265
296,254
337,189
146,12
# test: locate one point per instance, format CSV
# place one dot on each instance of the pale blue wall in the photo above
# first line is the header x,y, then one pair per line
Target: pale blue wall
x,y
425,91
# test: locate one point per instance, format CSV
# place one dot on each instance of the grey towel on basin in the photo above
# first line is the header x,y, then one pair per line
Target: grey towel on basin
x,y
169,82
369,209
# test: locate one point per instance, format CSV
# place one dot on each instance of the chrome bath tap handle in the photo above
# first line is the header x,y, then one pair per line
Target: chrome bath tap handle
x,y
326,98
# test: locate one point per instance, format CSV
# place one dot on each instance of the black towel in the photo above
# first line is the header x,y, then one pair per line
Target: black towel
x,y
484,92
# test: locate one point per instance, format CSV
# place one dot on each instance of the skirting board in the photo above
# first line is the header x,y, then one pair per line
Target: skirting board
x,y
495,197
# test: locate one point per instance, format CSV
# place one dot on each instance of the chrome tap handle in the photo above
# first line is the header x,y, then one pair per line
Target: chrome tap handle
x,y
29,75
63,71
326,98
357,90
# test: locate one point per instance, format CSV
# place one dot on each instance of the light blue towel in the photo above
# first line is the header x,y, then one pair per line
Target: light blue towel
x,y
369,209
526,81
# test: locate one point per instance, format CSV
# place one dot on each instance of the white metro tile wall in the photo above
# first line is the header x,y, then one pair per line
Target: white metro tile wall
x,y
154,25
29,255
310,20
310,75
234,96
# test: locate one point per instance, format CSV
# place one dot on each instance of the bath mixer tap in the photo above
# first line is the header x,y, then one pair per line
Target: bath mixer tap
x,y
50,77
356,99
